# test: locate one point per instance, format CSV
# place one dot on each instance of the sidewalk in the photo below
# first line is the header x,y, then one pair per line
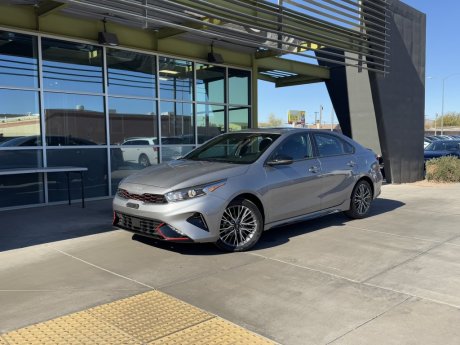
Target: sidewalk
x,y
391,278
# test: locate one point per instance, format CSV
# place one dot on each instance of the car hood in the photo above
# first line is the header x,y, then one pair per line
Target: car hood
x,y
179,174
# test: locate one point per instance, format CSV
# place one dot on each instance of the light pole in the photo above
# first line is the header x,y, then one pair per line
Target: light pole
x,y
442,108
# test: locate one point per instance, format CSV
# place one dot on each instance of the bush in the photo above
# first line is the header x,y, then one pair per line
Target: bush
x,y
443,169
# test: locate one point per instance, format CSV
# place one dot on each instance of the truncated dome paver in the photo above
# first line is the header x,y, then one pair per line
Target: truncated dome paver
x,y
148,318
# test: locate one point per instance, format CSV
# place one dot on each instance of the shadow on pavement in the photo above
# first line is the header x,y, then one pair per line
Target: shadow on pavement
x,y
275,236
32,226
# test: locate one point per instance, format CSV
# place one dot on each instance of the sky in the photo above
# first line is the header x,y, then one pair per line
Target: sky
x,y
442,60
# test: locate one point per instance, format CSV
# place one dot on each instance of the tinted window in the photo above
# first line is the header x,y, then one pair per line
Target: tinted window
x,y
238,118
239,83
177,122
74,119
18,60
19,118
131,118
330,145
176,79
131,73
296,147
210,83
71,66
210,120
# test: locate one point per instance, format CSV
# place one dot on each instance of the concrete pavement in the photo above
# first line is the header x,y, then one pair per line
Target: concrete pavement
x,y
392,278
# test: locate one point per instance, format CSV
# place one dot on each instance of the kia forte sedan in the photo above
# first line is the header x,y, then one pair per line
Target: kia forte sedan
x,y
235,186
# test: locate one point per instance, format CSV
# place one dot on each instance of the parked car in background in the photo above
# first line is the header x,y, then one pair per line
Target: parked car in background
x,y
440,148
235,186
133,152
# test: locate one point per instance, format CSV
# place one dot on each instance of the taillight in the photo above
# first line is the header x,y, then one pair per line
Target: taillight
x,y
155,149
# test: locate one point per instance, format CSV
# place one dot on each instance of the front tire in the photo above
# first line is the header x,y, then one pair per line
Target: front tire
x,y
361,200
240,227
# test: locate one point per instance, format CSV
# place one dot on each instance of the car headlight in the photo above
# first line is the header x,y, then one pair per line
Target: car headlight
x,y
194,192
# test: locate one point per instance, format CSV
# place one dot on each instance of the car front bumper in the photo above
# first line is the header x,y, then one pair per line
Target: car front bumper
x,y
196,220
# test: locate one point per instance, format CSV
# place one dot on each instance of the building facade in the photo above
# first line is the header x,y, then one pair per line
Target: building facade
x,y
113,110
115,86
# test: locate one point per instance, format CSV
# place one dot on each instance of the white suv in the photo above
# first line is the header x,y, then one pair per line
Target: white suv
x,y
144,156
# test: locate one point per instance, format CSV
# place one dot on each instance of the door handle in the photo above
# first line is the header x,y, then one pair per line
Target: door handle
x,y
351,164
314,169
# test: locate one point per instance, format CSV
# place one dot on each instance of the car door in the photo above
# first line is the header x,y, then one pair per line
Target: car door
x,y
338,168
292,190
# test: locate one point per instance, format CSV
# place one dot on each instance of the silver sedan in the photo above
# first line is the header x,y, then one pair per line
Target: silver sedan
x,y
235,186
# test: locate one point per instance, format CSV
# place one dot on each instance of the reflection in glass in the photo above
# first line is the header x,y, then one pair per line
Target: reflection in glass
x,y
24,189
18,60
12,159
131,73
74,119
177,125
169,153
126,160
239,86
238,118
143,156
132,118
176,79
19,118
210,83
71,66
95,178
210,120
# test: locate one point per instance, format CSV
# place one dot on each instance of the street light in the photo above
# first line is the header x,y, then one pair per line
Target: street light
x,y
442,109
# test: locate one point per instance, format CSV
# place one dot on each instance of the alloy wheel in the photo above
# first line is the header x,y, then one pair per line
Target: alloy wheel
x,y
363,198
238,225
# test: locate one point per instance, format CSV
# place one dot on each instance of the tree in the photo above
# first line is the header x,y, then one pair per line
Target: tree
x,y
273,121
451,119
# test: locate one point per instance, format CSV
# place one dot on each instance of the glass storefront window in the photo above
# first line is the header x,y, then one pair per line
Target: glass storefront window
x,y
169,153
239,83
95,179
72,66
177,125
19,118
176,79
12,159
210,83
238,118
25,189
74,119
210,120
131,74
128,159
18,60
132,118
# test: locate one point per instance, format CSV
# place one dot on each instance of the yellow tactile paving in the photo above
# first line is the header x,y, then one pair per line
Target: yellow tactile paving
x,y
79,328
150,315
213,332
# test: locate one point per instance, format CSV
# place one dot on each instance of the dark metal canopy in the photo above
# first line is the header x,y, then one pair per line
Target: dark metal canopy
x,y
268,27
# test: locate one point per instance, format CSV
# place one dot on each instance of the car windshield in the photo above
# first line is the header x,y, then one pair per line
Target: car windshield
x,y
238,148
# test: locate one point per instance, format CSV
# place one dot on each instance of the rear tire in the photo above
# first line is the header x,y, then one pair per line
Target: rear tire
x,y
240,227
361,200
144,160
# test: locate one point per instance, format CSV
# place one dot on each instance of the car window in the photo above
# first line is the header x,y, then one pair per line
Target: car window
x,y
296,147
330,145
239,148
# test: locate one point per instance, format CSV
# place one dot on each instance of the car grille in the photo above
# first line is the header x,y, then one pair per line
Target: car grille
x,y
141,225
146,197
